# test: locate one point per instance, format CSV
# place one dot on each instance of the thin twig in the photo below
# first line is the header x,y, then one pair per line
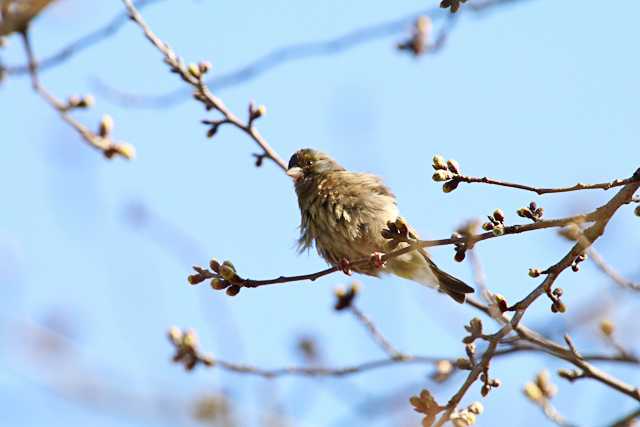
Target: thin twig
x,y
102,143
541,190
377,336
202,92
603,266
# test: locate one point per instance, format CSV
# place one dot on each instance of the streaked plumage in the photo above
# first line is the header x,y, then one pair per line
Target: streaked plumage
x,y
343,213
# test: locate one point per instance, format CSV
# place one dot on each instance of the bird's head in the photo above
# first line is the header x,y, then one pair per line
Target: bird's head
x,y
309,163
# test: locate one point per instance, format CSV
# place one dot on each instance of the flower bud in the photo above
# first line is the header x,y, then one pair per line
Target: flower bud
x,y
205,67
449,186
194,70
498,215
476,408
637,210
214,265
174,334
190,339
453,166
218,284
439,163
441,175
227,272
106,126
534,272
607,327
194,279
233,290
533,392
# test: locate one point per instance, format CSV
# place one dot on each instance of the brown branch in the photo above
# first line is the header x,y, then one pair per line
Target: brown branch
x,y
627,420
469,241
194,77
101,142
601,217
542,190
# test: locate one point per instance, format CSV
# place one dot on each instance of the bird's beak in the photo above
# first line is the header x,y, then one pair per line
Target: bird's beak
x,y
295,173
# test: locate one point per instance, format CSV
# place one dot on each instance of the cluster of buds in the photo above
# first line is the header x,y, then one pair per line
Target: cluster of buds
x,y
426,404
488,384
74,102
495,223
105,128
557,306
198,71
446,171
467,416
418,43
454,5
533,212
575,265
475,331
345,297
255,112
466,231
186,346
223,276
541,389
397,231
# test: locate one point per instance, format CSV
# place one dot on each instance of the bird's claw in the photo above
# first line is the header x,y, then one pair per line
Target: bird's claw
x,y
345,266
377,259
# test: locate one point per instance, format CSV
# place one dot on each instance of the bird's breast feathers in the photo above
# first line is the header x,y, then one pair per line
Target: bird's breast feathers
x,y
344,213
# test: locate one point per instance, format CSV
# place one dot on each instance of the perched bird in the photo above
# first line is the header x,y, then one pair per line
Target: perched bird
x,y
344,213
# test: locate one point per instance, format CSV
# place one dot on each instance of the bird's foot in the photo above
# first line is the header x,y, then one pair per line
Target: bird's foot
x,y
377,259
345,266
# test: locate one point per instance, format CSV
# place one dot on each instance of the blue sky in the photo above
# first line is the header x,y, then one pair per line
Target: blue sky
x,y
538,92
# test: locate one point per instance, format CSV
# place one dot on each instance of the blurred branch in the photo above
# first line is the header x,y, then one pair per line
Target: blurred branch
x,y
603,266
377,336
627,420
299,51
101,140
79,45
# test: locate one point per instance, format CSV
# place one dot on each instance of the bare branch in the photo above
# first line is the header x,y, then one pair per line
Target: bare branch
x,y
102,141
193,75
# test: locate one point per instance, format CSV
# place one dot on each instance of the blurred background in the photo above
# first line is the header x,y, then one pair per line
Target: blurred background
x,y
94,254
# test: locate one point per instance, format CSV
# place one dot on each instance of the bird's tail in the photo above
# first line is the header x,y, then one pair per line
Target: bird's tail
x,y
448,284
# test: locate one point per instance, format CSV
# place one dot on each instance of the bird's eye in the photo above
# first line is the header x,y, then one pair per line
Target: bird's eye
x,y
309,162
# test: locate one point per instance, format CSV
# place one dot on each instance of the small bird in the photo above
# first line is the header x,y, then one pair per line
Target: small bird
x,y
344,213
